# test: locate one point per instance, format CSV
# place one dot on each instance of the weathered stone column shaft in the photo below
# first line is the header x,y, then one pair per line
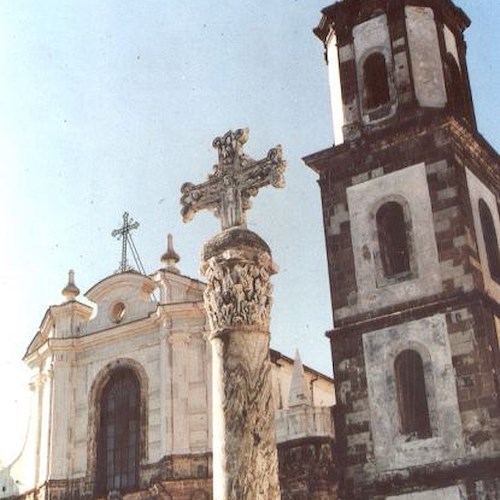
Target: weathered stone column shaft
x,y
238,266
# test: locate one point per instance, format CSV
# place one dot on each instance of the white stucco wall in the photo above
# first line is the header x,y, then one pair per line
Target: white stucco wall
x,y
410,185
425,57
337,107
451,45
429,337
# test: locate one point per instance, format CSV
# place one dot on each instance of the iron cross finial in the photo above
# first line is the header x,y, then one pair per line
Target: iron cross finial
x,y
123,233
233,181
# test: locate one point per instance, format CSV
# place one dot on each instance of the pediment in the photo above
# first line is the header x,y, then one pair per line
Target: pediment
x,y
121,298
56,320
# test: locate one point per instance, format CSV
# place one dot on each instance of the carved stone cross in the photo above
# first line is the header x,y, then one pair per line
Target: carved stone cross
x,y
233,181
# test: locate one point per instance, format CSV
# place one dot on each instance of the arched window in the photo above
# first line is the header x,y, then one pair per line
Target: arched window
x,y
411,394
490,240
119,433
393,239
376,83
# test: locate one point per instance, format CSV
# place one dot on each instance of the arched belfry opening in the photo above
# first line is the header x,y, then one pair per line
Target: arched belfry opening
x,y
375,80
393,239
118,440
457,100
490,240
411,394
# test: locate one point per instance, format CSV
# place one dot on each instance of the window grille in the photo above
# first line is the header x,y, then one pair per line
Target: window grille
x,y
118,440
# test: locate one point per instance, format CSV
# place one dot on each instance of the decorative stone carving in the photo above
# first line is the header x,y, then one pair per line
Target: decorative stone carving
x,y
235,179
245,454
238,265
239,292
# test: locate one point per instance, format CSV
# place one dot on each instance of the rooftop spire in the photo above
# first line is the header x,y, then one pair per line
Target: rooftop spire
x,y
299,394
71,291
170,257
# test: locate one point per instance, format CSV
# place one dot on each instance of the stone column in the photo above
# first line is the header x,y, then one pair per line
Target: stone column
x,y
237,264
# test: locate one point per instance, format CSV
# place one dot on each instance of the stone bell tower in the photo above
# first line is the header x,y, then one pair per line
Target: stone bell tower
x,y
410,194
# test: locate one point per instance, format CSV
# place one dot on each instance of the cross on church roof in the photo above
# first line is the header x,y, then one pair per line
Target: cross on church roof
x,y
124,233
233,181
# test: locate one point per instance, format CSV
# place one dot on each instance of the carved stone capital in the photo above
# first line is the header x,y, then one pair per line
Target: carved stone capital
x,y
238,266
40,379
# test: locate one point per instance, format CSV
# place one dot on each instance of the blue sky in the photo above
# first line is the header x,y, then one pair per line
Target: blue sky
x,y
111,106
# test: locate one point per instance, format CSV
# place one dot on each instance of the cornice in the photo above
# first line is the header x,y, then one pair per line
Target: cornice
x,y
486,159
346,159
342,16
68,308
181,279
117,333
36,356
41,346
360,324
176,309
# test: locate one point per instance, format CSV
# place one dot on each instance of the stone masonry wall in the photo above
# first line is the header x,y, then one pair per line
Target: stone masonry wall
x,y
468,311
451,210
475,358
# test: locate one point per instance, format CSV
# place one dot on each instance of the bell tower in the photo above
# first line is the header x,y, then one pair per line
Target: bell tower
x,y
393,62
410,193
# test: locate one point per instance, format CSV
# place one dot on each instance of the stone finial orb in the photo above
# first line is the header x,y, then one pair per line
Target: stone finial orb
x,y
71,291
170,258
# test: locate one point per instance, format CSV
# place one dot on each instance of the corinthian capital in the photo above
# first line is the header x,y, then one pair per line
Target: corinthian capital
x,y
239,290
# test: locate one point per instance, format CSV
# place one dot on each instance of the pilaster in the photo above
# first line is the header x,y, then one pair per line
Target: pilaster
x,y
179,342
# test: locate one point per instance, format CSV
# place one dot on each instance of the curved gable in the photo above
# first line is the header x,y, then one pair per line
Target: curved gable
x,y
121,298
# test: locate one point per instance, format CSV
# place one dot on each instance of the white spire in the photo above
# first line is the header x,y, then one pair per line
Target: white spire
x,y
299,394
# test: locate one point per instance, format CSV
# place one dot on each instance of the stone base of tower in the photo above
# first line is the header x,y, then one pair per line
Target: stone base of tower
x,y
460,459
307,469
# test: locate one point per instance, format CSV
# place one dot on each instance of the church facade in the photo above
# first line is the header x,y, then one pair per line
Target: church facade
x,y
410,194
121,398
